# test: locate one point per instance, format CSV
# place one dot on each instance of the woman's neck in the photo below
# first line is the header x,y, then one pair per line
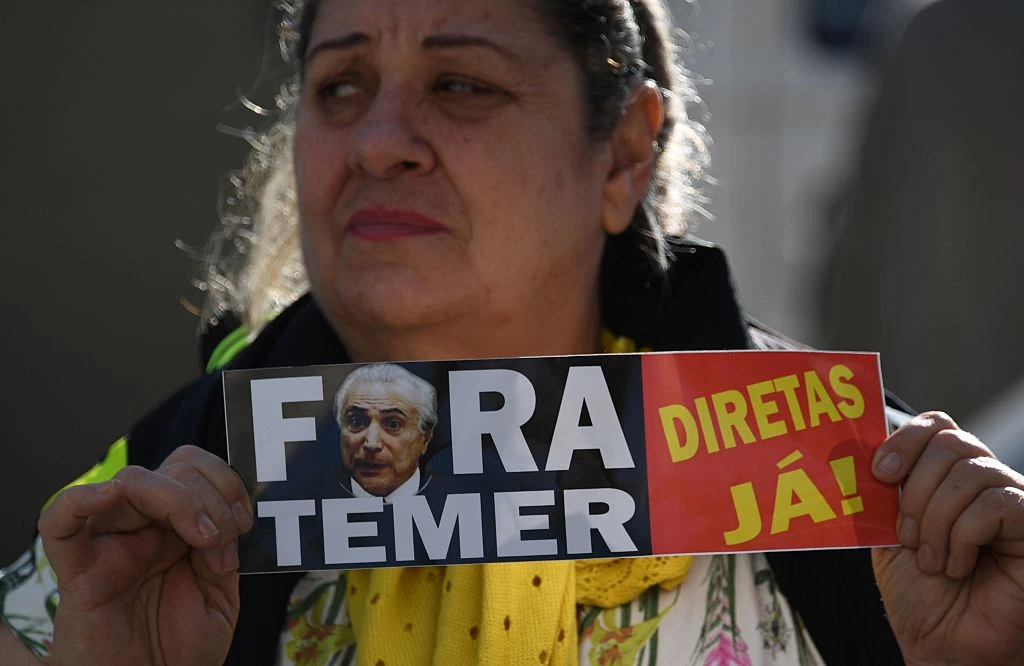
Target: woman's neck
x,y
571,330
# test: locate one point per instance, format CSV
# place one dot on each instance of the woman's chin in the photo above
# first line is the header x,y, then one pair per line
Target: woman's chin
x,y
401,302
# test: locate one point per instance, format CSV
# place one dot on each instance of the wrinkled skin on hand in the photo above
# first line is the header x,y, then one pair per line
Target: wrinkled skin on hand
x,y
954,589
146,564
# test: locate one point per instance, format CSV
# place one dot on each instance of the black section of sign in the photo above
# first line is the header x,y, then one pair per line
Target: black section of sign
x,y
316,472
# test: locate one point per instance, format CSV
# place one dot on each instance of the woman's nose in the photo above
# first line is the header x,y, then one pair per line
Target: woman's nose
x,y
386,143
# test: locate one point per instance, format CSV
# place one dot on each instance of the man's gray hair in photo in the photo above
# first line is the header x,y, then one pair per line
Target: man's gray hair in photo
x,y
422,393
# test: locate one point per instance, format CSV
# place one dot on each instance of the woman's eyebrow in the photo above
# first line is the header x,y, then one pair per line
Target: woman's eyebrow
x,y
434,42
340,43
453,41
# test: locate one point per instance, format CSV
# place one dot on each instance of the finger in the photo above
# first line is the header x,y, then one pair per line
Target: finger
x,y
944,450
122,517
225,556
900,451
226,480
71,509
61,525
966,480
170,505
994,519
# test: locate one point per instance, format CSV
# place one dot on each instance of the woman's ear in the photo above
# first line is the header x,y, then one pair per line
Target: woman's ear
x,y
634,148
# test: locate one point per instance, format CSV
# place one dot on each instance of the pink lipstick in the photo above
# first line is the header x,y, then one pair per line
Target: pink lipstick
x,y
387,224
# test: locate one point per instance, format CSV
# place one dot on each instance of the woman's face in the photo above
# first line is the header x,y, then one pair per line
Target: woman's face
x,y
443,170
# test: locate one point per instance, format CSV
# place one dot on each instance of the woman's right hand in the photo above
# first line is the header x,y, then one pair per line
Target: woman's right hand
x,y
146,564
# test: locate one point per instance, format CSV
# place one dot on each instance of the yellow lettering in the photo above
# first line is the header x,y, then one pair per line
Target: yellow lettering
x,y
809,501
734,419
763,409
679,452
788,385
818,400
707,425
845,471
853,405
747,513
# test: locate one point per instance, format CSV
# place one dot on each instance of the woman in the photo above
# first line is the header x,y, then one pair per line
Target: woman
x,y
471,180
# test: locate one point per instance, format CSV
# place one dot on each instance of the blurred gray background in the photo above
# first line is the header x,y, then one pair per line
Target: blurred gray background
x,y
113,154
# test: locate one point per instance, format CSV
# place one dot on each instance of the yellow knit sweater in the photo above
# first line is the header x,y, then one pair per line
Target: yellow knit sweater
x,y
509,614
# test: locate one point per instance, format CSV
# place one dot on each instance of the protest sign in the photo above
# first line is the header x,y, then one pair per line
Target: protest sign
x,y
570,457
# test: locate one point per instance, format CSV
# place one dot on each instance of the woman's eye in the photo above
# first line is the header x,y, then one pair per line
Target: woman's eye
x,y
338,90
463,87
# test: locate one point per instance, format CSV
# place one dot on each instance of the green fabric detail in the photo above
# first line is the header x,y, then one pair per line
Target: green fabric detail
x,y
115,460
228,348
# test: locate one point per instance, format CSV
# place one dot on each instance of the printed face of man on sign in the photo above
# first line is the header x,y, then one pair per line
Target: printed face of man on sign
x,y
387,417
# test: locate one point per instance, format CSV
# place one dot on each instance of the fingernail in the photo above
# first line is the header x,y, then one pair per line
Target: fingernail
x,y
926,558
951,566
206,527
230,558
109,486
890,464
241,514
908,531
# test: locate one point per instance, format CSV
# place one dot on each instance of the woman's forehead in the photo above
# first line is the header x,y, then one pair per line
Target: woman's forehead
x,y
388,21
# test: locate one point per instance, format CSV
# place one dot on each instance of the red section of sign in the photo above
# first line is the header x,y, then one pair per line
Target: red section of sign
x,y
750,451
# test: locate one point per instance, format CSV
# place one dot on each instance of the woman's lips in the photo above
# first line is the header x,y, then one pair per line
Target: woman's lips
x,y
386,224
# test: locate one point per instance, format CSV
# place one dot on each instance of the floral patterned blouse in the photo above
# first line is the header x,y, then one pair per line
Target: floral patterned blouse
x,y
728,612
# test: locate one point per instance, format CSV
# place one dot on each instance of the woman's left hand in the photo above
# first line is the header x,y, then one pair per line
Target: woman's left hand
x,y
954,590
